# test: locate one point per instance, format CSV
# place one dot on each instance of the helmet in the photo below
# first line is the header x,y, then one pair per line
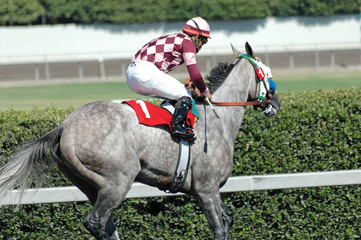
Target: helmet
x,y
197,26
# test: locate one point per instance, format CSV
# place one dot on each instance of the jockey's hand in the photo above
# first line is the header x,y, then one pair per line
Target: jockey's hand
x,y
207,94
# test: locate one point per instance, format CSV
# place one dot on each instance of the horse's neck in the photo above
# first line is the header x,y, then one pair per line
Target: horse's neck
x,y
234,89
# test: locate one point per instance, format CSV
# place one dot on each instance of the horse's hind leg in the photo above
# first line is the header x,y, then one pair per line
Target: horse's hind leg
x,y
86,188
92,194
99,221
117,179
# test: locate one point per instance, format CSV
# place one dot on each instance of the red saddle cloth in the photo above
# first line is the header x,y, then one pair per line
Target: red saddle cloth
x,y
152,115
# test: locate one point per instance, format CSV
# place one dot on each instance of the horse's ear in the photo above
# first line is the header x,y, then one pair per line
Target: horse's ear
x,y
235,51
249,50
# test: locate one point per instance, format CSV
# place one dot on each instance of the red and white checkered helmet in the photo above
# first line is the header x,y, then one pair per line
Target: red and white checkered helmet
x,y
197,26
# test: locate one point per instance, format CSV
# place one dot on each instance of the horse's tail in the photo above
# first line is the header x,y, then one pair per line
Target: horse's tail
x,y
28,163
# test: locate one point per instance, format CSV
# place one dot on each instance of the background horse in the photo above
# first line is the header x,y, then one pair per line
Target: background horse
x,y
102,149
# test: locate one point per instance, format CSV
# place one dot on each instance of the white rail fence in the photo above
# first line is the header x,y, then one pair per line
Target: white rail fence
x,y
208,54
234,184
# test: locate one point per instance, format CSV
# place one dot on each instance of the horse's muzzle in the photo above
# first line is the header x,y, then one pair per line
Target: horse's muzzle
x,y
274,106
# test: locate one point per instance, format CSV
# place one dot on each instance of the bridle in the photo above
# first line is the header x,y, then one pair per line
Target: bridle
x,y
261,78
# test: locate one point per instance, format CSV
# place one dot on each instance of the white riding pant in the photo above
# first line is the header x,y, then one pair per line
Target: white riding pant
x,y
145,78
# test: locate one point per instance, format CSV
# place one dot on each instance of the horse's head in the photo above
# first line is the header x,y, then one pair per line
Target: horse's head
x,y
264,89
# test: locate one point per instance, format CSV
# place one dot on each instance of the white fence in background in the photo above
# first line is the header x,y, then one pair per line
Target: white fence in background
x,y
234,184
209,54
68,43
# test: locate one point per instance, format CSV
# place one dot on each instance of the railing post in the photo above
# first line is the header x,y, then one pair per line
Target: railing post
x,y
37,74
47,69
208,64
101,67
317,59
214,61
332,56
123,68
266,59
80,70
292,60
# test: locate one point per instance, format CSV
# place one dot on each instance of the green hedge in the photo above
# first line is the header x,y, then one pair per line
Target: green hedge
x,y
315,131
24,12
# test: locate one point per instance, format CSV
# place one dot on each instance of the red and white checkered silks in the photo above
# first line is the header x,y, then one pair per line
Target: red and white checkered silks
x,y
168,51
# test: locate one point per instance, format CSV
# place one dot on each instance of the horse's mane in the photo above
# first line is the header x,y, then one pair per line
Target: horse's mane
x,y
217,75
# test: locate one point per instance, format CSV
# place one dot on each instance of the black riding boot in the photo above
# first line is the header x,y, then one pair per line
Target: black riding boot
x,y
179,118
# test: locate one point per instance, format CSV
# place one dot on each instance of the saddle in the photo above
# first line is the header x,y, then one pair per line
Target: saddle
x,y
152,115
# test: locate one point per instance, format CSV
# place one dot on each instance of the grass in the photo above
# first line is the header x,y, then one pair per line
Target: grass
x,y
309,81
63,95
75,95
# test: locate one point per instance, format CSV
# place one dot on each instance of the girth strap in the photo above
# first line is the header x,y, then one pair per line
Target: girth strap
x,y
181,172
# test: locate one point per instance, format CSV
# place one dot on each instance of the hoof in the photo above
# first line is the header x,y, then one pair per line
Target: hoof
x,y
95,228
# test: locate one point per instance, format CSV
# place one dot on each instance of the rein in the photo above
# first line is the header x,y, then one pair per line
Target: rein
x,y
255,103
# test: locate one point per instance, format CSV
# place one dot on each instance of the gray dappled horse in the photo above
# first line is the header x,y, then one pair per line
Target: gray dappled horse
x,y
102,149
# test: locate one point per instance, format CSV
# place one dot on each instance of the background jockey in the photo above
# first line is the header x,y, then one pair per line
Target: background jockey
x,y
146,74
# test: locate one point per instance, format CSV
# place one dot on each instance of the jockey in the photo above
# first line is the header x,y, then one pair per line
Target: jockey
x,y
146,74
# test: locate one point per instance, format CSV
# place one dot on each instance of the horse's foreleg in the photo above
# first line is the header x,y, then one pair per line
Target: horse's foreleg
x,y
211,203
227,215
111,229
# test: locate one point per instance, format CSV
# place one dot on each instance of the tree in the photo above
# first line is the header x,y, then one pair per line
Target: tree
x,y
19,12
